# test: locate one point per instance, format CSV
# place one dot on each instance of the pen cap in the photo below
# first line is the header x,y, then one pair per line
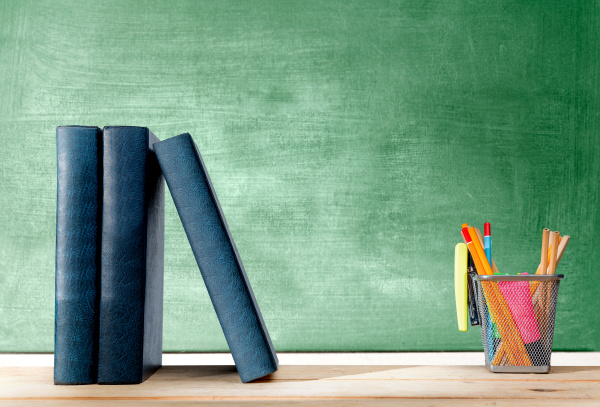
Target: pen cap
x,y
466,236
486,229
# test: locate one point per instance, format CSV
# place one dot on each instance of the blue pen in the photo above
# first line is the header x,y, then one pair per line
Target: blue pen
x,y
487,241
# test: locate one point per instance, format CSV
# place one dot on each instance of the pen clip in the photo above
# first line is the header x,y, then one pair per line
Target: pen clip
x,y
472,301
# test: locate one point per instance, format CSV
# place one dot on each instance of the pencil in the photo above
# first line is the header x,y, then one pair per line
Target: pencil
x,y
545,238
546,295
561,248
534,284
546,258
539,269
540,297
553,252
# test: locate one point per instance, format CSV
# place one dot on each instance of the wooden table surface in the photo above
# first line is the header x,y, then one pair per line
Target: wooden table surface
x,y
316,385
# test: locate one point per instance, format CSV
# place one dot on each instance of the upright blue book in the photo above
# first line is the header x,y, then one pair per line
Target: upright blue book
x,y
132,259
78,223
217,257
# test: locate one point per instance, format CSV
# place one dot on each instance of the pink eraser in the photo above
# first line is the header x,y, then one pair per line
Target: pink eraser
x,y
518,297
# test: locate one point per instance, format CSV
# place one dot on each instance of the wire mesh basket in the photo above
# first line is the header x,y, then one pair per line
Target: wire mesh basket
x,y
517,320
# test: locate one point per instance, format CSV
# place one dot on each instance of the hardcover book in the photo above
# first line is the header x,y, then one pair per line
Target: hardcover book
x,y
132,257
78,224
217,257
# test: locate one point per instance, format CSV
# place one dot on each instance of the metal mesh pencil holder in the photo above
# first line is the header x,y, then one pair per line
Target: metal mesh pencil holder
x,y
517,320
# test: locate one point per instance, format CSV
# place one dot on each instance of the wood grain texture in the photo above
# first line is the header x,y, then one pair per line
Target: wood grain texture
x,y
319,385
347,141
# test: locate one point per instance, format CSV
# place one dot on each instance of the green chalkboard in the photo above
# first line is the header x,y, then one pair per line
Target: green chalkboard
x,y
347,142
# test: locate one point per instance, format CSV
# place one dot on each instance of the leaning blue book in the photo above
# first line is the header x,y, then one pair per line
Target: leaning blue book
x,y
217,257
78,225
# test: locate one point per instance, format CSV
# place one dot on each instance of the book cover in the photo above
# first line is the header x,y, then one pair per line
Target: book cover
x,y
78,225
217,257
132,257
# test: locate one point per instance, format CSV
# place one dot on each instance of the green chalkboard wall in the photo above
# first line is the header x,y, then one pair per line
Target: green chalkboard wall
x,y
347,142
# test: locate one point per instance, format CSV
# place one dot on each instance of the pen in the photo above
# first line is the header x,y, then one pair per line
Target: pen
x,y
487,241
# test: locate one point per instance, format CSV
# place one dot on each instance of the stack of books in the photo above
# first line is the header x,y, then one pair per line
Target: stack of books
x,y
110,220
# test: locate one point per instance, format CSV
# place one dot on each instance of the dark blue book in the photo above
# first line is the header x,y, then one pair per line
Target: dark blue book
x,y
132,259
78,223
217,257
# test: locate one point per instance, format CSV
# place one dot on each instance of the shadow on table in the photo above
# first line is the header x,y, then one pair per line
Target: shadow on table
x,y
316,372
286,373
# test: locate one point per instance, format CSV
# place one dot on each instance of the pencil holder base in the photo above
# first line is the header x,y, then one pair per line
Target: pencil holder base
x,y
519,369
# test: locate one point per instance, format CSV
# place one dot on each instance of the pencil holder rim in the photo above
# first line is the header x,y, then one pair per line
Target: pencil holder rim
x,y
524,277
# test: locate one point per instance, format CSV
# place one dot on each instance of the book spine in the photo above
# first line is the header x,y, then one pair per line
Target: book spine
x,y
217,257
130,342
78,223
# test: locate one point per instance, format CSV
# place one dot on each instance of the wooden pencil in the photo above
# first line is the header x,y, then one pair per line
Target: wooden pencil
x,y
534,284
545,239
546,295
538,271
553,253
543,269
561,248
